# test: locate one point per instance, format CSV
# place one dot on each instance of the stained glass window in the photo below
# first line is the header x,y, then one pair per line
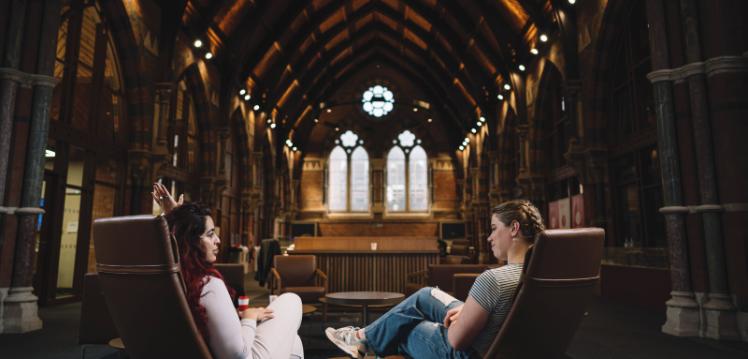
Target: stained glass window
x,y
378,101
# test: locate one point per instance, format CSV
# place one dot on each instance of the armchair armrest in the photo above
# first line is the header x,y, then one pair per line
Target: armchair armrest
x,y
461,284
276,283
322,276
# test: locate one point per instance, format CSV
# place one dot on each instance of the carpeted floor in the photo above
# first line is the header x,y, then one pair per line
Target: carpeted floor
x,y
609,331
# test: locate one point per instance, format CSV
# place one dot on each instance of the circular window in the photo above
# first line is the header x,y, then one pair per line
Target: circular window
x,y
378,101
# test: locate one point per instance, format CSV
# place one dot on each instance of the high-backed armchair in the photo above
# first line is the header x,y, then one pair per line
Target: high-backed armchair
x,y
559,282
138,266
299,274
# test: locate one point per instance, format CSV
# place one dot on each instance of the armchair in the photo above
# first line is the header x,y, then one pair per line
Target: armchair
x,y
233,275
138,266
560,278
299,274
440,275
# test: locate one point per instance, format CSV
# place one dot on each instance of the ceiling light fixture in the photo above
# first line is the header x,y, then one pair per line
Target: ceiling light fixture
x,y
208,55
429,120
543,38
482,119
507,87
500,97
272,125
247,97
534,51
256,107
198,43
521,67
242,92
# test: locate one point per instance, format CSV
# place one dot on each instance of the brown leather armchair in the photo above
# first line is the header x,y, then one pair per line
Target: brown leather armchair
x,y
96,325
233,276
560,278
299,274
440,275
138,266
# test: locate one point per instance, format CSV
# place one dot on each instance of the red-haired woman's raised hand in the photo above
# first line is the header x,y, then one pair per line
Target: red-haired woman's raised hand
x,y
164,199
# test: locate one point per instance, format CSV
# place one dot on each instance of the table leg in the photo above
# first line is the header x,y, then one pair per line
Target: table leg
x,y
365,314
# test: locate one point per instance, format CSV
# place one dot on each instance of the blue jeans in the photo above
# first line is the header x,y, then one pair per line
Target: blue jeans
x,y
415,327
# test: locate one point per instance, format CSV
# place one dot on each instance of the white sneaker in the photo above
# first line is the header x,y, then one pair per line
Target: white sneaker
x,y
345,339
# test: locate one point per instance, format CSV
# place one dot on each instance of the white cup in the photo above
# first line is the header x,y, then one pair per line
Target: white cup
x,y
373,246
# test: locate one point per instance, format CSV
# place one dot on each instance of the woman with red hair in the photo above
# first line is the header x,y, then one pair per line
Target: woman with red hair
x,y
255,332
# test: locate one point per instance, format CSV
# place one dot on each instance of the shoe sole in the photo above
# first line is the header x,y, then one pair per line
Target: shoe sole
x,y
353,352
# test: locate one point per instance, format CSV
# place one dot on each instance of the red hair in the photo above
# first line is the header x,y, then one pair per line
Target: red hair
x,y
187,224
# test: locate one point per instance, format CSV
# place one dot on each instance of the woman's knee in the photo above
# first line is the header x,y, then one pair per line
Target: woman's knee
x,y
290,304
292,298
424,293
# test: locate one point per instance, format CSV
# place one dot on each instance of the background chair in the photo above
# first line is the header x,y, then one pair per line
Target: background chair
x,y
233,276
299,274
138,268
559,282
440,275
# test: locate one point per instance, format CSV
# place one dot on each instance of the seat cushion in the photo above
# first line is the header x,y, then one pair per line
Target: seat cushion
x,y
307,294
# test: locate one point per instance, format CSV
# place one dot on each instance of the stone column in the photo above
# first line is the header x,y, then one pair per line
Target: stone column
x,y
719,312
682,310
21,306
9,79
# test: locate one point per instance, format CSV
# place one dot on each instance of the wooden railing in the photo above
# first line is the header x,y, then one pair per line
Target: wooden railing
x,y
352,265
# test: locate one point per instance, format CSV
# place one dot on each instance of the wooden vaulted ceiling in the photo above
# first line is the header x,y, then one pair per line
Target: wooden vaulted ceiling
x,y
292,53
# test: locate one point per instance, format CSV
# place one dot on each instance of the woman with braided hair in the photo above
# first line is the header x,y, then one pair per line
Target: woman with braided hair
x,y
433,324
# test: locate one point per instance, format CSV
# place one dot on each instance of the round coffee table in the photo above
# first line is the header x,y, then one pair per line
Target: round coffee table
x,y
364,299
307,308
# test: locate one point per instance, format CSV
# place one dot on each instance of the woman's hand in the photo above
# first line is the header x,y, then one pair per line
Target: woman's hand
x,y
164,199
452,315
257,313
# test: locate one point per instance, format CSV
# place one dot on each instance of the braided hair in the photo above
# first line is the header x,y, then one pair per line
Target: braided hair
x,y
525,213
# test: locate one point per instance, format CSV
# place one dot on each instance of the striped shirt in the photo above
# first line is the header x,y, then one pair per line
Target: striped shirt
x,y
494,291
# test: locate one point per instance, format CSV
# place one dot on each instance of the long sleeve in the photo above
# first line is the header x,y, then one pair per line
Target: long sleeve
x,y
230,338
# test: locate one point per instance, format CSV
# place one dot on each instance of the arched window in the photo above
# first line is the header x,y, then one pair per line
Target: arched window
x,y
407,175
183,134
634,162
348,175
88,103
338,176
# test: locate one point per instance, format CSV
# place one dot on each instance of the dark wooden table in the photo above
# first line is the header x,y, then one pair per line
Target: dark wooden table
x,y
364,300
